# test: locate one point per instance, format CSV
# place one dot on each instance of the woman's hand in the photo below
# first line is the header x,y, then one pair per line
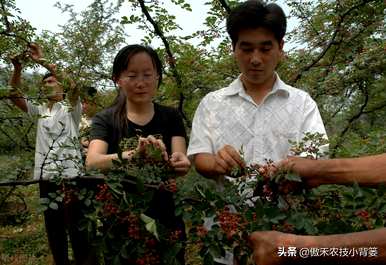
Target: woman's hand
x,y
151,140
180,163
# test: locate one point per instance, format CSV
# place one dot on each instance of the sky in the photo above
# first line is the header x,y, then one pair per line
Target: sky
x,y
43,15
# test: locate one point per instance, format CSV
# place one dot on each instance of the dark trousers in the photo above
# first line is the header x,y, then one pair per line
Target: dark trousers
x,y
62,223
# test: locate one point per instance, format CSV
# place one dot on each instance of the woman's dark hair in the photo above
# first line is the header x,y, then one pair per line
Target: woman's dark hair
x,y
121,61
254,14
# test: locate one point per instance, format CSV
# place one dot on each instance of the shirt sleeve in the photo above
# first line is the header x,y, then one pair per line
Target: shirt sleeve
x,y
177,126
201,137
313,123
76,112
33,109
99,128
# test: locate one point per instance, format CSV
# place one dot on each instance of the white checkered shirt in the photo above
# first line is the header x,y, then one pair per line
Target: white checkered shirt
x,y
230,116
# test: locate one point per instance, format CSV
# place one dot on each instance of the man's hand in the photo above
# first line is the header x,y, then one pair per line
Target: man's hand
x,y
227,158
219,164
265,246
35,52
304,167
180,163
16,61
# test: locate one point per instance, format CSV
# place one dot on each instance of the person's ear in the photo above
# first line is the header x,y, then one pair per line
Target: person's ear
x,y
117,82
281,45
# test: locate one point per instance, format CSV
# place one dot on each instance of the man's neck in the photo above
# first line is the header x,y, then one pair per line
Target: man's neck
x,y
258,91
52,101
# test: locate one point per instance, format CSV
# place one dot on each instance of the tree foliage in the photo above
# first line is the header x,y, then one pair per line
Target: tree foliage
x,y
338,56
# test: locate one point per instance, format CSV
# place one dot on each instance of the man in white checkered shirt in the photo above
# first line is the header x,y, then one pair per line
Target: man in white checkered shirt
x,y
258,111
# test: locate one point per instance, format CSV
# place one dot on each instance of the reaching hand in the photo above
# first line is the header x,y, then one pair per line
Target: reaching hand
x,y
151,140
16,61
265,246
180,163
35,52
227,158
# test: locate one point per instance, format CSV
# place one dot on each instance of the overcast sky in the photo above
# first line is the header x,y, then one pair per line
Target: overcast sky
x,y
44,16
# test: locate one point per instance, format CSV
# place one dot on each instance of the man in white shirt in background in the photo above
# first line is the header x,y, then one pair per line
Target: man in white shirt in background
x,y
257,112
56,156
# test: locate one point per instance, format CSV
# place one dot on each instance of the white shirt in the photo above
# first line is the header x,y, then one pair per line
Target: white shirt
x,y
56,151
229,116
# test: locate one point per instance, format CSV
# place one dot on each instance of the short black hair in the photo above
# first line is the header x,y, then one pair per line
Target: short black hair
x,y
47,75
91,91
254,14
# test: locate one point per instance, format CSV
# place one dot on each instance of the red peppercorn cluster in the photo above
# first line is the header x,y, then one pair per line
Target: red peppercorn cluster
x,y
171,185
151,243
175,235
229,222
365,216
201,231
104,193
109,209
133,229
268,187
148,259
70,194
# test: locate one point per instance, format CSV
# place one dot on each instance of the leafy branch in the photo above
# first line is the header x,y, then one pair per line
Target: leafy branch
x,y
225,5
330,43
355,117
8,31
171,58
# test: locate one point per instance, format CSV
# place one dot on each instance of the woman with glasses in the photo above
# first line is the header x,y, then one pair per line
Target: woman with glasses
x,y
137,72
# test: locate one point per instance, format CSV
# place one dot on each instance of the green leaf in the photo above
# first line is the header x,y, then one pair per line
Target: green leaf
x,y
208,259
87,202
117,260
53,205
150,225
124,253
310,227
293,177
215,250
52,195
383,209
44,200
140,184
357,190
200,191
282,204
59,198
42,208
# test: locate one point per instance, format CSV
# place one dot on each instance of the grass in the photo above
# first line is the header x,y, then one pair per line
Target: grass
x,y
24,241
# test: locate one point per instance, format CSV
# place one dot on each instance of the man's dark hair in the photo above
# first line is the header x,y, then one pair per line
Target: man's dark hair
x,y
254,14
47,75
91,91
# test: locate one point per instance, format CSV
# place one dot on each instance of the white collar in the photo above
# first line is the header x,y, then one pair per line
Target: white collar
x,y
237,87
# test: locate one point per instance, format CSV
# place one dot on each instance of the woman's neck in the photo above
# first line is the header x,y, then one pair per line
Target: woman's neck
x,y
140,108
140,114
